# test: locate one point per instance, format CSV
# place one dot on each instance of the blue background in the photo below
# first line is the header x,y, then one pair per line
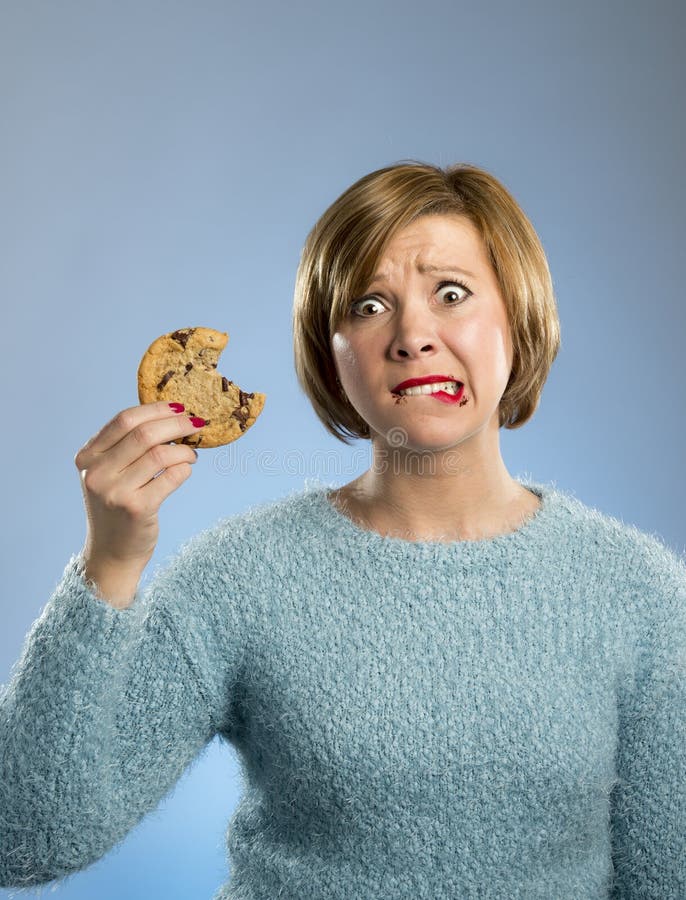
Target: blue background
x,y
160,166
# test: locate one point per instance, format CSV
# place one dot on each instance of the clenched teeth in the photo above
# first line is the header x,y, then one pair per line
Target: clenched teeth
x,y
450,387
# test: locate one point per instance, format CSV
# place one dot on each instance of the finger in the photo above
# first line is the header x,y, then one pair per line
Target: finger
x,y
158,459
121,425
156,491
140,440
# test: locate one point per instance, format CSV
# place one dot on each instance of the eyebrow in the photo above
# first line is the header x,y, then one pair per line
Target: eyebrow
x,y
423,269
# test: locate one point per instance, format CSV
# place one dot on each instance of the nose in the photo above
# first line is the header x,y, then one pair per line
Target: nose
x,y
414,334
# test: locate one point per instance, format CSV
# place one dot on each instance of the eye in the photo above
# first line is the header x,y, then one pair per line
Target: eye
x,y
362,303
357,306
454,284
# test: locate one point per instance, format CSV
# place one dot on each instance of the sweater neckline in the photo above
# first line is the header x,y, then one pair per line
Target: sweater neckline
x,y
347,528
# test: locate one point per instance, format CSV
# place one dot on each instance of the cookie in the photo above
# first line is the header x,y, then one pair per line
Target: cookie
x,y
181,366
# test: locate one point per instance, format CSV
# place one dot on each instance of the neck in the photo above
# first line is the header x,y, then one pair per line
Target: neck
x,y
425,497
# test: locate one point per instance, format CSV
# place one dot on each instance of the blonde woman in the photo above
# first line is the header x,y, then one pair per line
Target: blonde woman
x,y
441,681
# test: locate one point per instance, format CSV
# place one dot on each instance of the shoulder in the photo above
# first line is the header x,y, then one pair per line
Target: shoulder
x,y
212,580
266,522
639,564
239,545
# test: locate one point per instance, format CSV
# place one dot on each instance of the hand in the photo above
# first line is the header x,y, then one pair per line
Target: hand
x,y
121,494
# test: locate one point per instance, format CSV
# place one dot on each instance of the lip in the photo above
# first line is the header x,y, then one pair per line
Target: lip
x,y
425,379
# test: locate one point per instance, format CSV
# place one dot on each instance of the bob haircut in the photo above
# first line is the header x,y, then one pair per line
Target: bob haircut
x,y
341,253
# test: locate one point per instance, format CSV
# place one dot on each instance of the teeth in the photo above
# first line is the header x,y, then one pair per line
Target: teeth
x,y
450,387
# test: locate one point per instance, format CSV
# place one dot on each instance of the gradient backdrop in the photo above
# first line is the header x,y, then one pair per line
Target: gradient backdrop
x,y
160,166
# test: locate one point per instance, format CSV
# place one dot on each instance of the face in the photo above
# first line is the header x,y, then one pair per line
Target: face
x,y
433,308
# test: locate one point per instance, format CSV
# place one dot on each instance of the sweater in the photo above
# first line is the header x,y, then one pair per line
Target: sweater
x,y
499,718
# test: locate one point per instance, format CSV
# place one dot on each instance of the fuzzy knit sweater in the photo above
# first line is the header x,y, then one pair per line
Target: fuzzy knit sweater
x,y
502,718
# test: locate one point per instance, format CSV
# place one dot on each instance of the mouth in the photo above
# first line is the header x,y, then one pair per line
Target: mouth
x,y
430,384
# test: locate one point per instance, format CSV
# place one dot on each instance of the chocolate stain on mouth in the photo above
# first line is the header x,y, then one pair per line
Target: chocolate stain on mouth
x,y
400,397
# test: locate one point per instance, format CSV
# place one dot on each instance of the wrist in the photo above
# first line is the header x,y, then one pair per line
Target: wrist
x,y
111,580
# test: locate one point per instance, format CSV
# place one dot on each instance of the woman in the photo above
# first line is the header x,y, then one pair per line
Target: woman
x,y
440,681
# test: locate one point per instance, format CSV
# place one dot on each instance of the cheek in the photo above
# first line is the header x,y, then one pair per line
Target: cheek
x,y
501,346
352,358
342,353
488,345
505,354
339,344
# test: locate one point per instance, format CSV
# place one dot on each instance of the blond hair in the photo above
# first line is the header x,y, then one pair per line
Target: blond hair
x,y
341,253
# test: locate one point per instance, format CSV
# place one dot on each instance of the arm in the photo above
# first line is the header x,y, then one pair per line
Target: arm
x,y
106,709
648,818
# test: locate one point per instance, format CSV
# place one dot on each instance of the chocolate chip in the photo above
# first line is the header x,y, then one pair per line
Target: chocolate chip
x,y
189,366
165,379
240,416
182,336
225,383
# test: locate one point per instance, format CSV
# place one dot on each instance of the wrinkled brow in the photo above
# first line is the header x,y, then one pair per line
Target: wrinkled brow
x,y
423,269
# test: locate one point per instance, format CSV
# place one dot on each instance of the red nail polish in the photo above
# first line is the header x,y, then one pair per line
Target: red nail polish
x,y
177,407
197,421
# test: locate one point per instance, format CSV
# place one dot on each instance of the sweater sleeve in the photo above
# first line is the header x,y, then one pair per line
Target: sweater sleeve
x,y
104,711
648,817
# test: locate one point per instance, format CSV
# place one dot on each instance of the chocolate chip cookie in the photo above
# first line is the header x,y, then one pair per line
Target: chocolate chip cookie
x,y
182,366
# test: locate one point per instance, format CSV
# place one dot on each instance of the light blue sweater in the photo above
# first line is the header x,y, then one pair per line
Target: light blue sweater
x,y
503,718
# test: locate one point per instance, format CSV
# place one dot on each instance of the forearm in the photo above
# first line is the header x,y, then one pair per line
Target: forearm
x,y
106,709
113,582
60,698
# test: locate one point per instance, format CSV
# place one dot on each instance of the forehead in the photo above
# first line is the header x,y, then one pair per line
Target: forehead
x,y
450,240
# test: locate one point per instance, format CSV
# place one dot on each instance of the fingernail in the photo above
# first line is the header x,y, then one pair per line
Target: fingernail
x,y
177,407
197,422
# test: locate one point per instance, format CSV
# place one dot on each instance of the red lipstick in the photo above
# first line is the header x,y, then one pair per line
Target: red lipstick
x,y
445,397
426,379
